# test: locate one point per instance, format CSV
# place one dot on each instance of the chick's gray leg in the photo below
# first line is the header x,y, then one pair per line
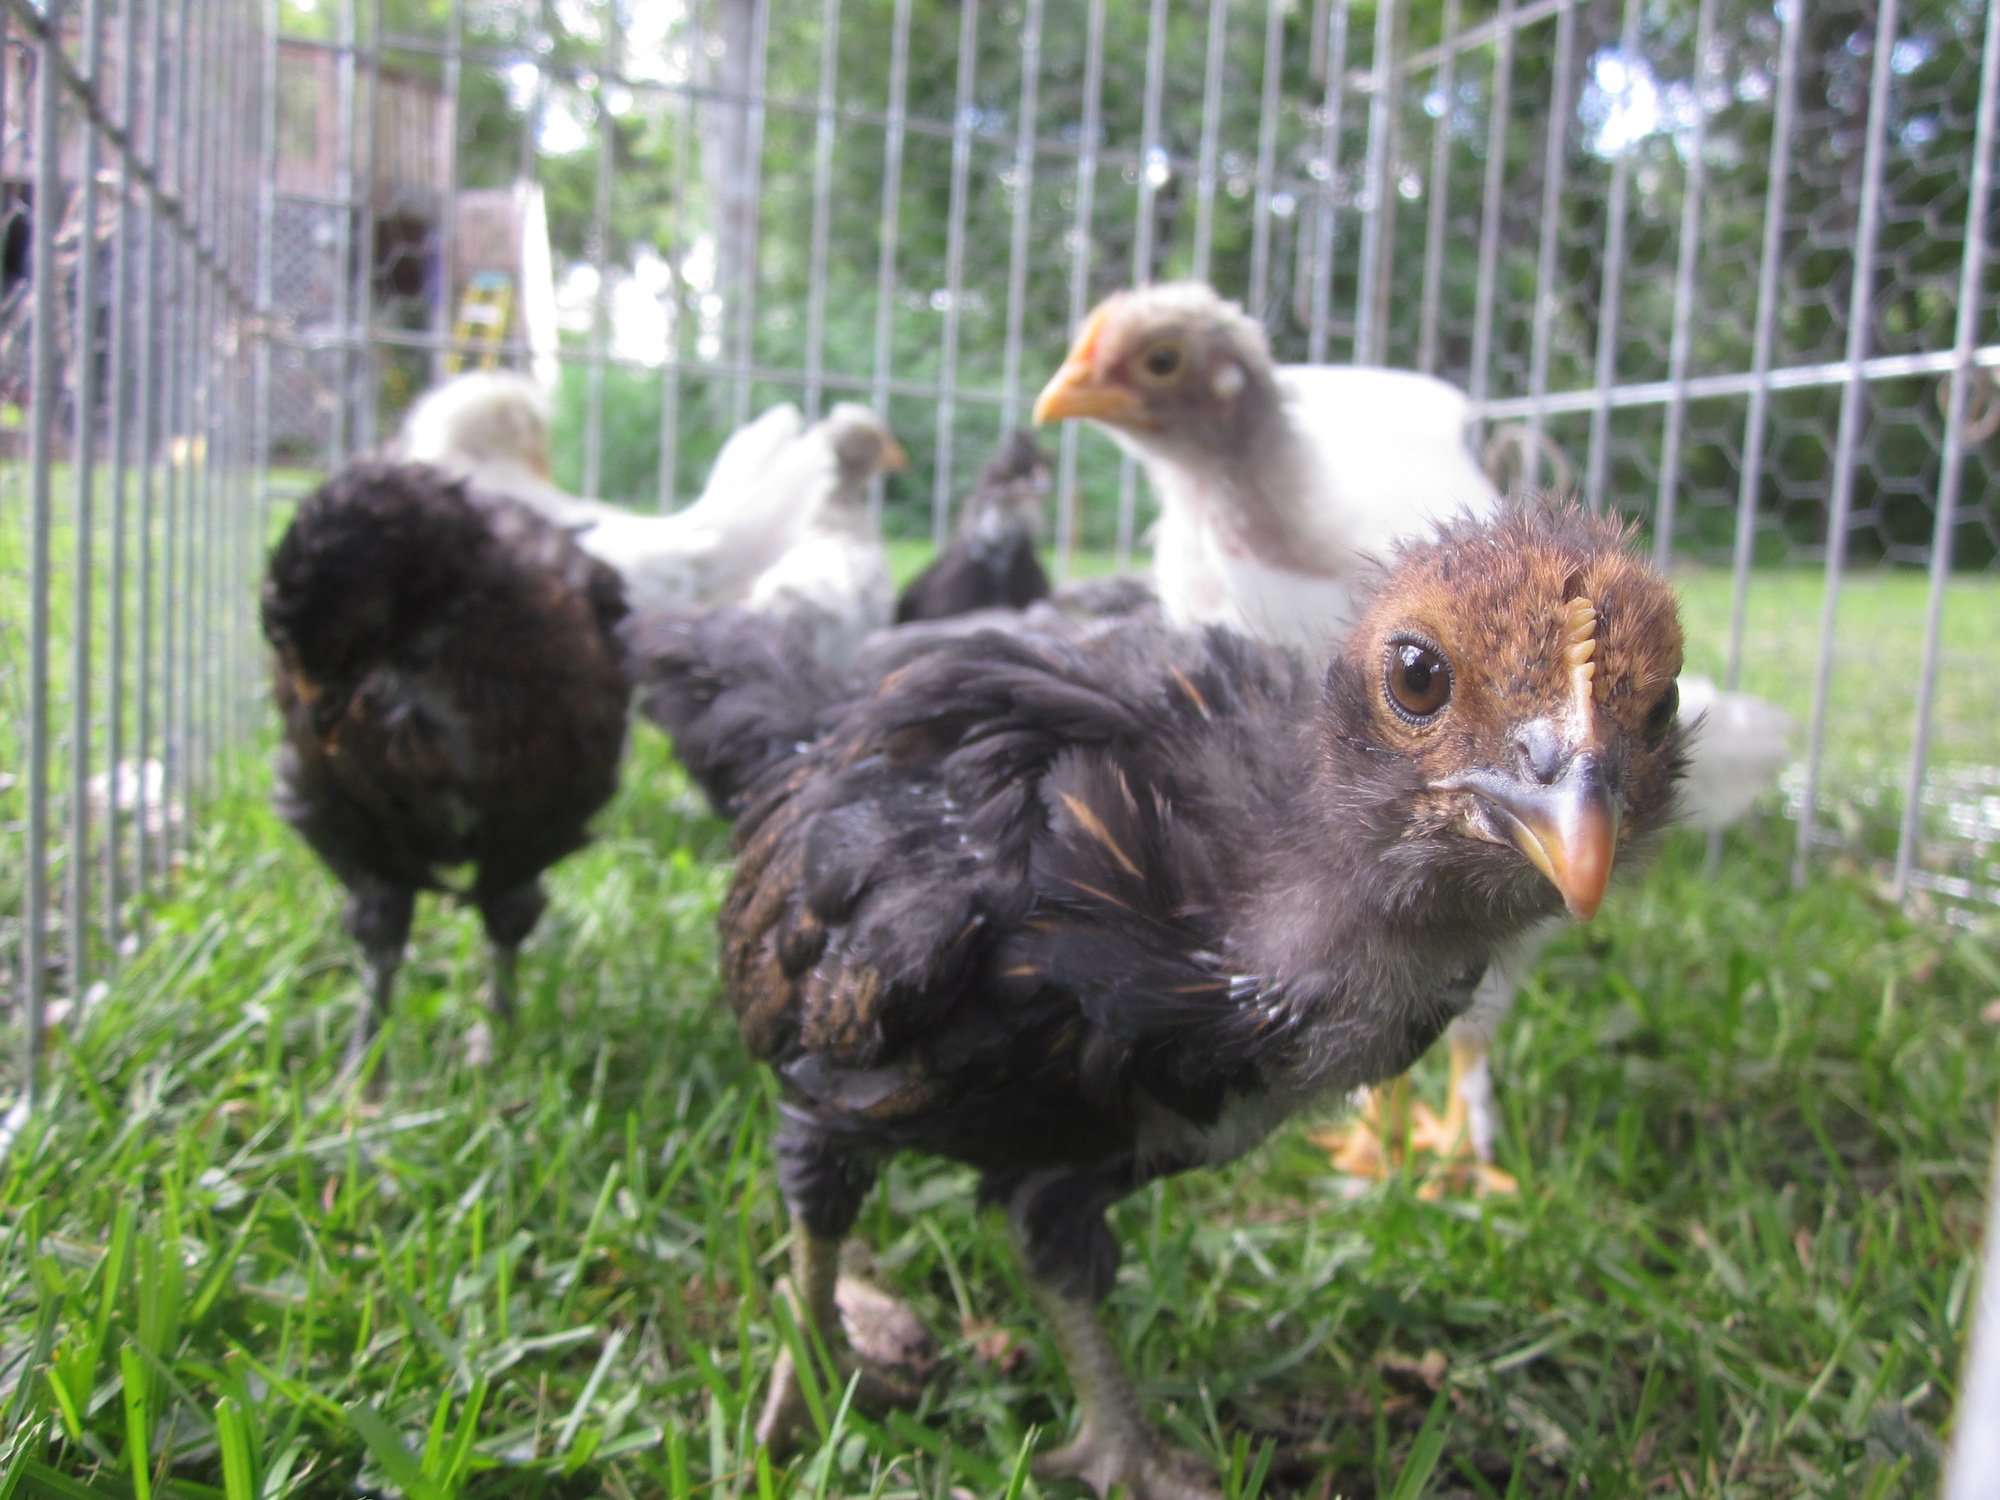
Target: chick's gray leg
x,y
862,1327
815,1277
378,918
1071,1259
509,916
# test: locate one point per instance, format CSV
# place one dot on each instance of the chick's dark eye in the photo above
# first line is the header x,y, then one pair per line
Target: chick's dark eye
x,y
1660,717
1162,361
1418,680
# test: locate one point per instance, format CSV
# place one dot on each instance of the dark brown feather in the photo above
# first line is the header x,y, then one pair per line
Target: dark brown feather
x,y
450,681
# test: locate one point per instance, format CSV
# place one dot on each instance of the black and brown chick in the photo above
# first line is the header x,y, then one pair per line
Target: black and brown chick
x,y
454,692
1277,484
1083,913
991,563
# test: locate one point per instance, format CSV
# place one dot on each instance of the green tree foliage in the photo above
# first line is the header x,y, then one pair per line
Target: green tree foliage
x,y
1630,117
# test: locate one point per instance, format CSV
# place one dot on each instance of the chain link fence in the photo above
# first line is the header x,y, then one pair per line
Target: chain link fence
x,y
1717,264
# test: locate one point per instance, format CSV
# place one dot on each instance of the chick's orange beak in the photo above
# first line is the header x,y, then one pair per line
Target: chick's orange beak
x,y
894,458
1567,829
1076,391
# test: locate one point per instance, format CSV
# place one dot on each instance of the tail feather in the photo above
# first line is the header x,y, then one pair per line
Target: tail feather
x,y
739,692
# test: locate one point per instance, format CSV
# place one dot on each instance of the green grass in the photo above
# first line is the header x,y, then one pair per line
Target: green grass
x,y
1750,1126
1750,1129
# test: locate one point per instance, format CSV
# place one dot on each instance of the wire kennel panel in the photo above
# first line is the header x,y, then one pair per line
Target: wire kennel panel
x,y
128,515
1718,264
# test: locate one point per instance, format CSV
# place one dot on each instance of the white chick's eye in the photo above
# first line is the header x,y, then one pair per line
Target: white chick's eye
x,y
1161,363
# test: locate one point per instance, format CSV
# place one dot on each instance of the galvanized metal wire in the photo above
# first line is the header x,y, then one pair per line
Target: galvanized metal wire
x,y
1725,262
126,524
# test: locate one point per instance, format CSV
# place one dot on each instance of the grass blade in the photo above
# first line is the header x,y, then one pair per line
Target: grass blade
x,y
232,1437
388,1451
138,1424
1424,1453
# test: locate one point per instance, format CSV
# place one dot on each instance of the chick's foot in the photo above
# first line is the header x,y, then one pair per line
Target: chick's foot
x,y
1129,1460
878,1339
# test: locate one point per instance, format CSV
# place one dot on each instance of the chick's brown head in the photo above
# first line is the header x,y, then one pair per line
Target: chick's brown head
x,y
1522,672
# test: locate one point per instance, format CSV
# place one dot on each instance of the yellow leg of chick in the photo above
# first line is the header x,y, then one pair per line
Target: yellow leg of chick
x,y
1453,1138
1392,1127
1371,1144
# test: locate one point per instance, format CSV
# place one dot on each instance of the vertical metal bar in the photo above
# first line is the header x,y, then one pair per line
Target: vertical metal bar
x,y
7,51
892,206
194,202
1379,221
121,355
251,327
515,343
531,117
1153,164
1553,160
222,598
753,163
1681,348
199,641
822,219
954,268
1211,136
343,237
1611,285
194,400
1763,336
1151,160
194,303
1975,1445
1267,156
83,598
362,390
1326,239
42,429
1079,266
1434,217
267,203
1971,272
219,643
1859,311
149,412
1478,377
1024,213
246,335
670,377
600,243
179,297
447,241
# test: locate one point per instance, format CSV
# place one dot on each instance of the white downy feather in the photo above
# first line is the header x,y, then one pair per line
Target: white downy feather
x,y
835,572
492,428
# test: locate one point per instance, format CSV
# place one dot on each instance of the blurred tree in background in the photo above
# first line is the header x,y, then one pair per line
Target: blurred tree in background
x,y
706,183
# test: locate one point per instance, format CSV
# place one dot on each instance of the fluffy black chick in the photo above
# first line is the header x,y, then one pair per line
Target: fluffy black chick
x,y
741,690
991,563
453,691
738,691
1086,912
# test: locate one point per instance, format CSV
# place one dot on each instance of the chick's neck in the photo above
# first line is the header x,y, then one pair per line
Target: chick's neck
x,y
1363,943
1252,497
